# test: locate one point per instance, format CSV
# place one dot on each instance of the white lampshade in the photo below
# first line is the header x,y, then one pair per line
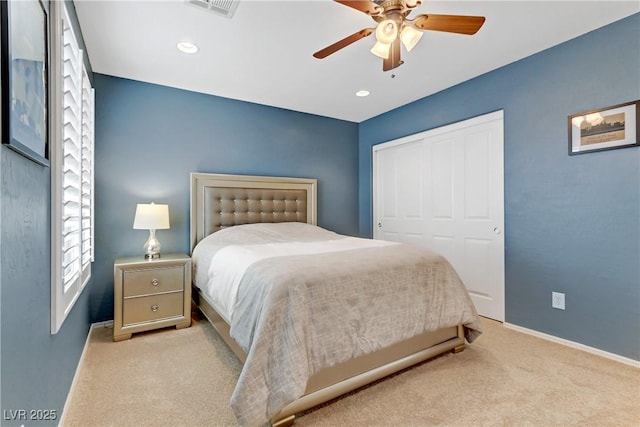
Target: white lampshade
x,y
151,217
381,50
410,37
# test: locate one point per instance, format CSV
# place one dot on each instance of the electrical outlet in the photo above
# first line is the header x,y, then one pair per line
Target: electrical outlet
x,y
557,300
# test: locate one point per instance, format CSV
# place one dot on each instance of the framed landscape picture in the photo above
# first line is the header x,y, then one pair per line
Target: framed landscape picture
x,y
605,129
24,78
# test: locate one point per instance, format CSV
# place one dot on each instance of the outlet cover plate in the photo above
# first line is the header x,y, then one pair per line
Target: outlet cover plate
x,y
557,300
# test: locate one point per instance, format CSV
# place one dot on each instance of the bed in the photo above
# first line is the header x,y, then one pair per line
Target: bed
x,y
260,234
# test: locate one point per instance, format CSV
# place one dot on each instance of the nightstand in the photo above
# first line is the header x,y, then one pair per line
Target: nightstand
x,y
151,294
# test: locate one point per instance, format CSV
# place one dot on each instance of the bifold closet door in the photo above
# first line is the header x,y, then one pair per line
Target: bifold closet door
x,y
443,189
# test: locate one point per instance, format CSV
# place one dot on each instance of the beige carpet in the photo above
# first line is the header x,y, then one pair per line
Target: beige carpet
x,y
185,377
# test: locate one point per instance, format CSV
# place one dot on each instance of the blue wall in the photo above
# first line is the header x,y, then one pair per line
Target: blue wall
x,y
572,223
37,367
149,138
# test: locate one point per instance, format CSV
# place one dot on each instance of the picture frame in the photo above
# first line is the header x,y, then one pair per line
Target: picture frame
x,y
24,73
605,128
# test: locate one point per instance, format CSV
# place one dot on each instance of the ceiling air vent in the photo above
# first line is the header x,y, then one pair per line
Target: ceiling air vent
x,y
220,7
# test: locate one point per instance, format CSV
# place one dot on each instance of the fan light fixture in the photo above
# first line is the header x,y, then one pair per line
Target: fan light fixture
x,y
394,27
410,37
387,31
381,50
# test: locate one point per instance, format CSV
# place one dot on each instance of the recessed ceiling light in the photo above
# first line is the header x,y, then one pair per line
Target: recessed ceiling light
x,y
362,93
187,47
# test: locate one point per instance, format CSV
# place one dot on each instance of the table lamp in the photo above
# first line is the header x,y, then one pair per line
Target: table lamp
x,y
151,217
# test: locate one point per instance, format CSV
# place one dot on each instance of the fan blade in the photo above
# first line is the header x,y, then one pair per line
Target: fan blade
x,y
393,61
368,7
450,23
323,53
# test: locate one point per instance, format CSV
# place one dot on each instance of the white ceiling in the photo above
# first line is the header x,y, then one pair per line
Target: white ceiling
x,y
264,53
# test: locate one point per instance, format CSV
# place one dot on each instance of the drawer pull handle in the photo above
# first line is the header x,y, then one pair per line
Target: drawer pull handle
x,y
155,282
154,307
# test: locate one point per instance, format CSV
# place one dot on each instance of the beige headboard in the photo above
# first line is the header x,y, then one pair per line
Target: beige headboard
x,y
219,201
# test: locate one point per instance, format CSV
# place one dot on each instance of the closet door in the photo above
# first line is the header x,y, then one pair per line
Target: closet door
x,y
443,190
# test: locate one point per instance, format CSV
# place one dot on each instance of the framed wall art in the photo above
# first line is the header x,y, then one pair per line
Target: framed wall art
x,y
24,69
605,129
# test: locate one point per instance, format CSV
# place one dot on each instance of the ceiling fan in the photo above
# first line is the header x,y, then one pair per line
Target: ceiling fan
x,y
394,28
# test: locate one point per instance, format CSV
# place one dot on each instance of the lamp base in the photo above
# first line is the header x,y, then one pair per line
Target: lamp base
x,y
152,246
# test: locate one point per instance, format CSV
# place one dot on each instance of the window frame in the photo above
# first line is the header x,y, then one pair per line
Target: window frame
x,y
72,99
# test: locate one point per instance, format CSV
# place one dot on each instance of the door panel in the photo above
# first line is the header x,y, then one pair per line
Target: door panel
x,y
441,171
476,177
443,190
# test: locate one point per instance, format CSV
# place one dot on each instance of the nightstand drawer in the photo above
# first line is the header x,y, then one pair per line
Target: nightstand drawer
x,y
153,280
154,307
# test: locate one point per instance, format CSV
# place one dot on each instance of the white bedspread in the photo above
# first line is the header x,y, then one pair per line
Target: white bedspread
x,y
296,310
230,263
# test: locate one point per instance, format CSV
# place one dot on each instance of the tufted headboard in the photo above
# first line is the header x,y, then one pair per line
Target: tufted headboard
x,y
219,201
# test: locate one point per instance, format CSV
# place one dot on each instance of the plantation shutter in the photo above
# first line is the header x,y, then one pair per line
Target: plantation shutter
x,y
71,163
87,174
72,183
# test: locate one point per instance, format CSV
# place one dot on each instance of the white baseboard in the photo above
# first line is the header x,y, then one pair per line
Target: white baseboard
x,y
106,324
573,344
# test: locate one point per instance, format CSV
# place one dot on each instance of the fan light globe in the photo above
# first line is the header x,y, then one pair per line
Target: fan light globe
x,y
387,31
410,37
381,50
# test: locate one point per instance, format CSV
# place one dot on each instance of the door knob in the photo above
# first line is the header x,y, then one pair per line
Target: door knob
x,y
497,230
